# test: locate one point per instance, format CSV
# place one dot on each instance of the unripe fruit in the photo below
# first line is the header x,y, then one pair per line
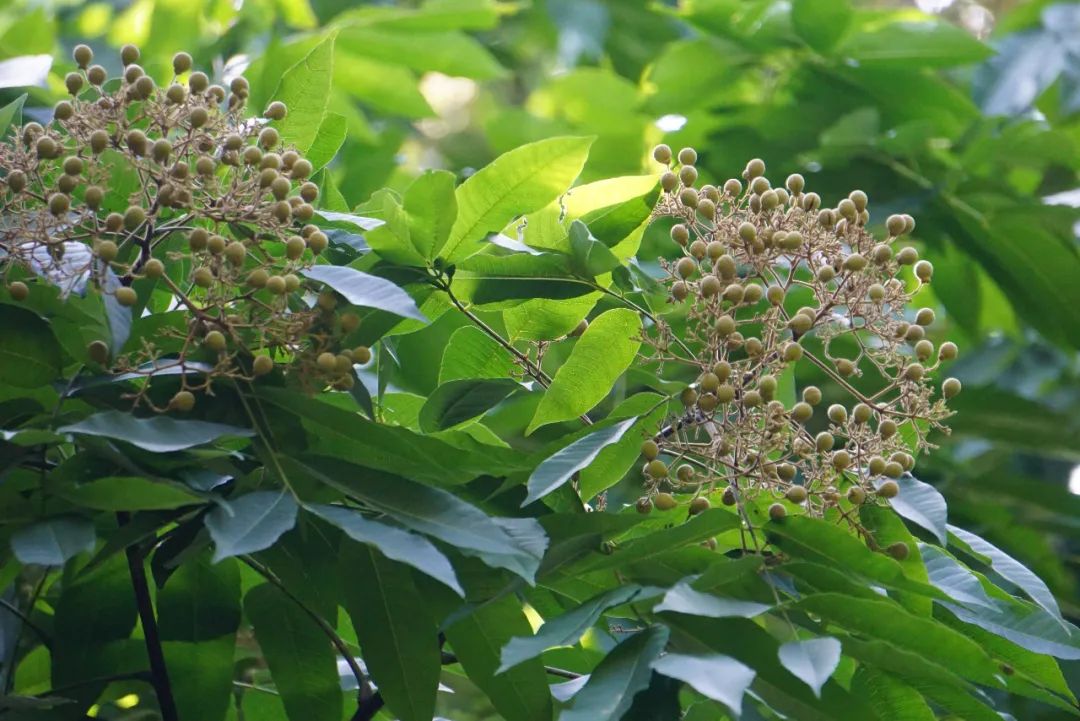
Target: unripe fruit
x,y
754,168
16,181
685,267
899,550
724,394
924,271
662,154
215,341
854,262
107,250
881,253
96,75
841,459
650,450
751,399
777,511
709,383
83,55
889,489
734,293
733,188
73,82
924,349
767,386
327,362
73,165
198,117
707,208
203,277
292,282
802,411
812,395
665,501
685,472
216,244
144,87
126,296
800,324
668,181
309,191
295,247
643,505
914,372
657,469
687,156
114,222
699,505
795,183
137,142
282,211
895,225
688,197
698,249
239,86
947,351
837,413
710,286
361,354
252,155
861,413
679,290
914,333
205,166
796,494
280,187
59,203
235,252
770,200
19,291
343,362
63,110
67,183
183,401
845,367
856,495
46,147
276,285
925,316
687,175
950,388
824,441
775,294
893,469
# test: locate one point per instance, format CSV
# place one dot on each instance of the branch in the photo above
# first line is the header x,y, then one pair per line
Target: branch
x,y
25,618
158,670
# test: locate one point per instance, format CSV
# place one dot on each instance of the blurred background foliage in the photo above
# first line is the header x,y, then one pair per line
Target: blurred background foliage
x,y
964,114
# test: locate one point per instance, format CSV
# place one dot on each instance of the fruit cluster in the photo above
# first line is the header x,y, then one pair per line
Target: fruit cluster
x,y
178,187
770,279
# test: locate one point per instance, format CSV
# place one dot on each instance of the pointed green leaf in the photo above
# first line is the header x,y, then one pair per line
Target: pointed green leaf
x,y
52,542
682,598
891,698
394,543
921,503
300,658
557,469
471,353
566,629
30,356
250,523
129,493
612,685
716,676
328,140
305,90
599,357
432,209
591,257
461,400
520,694
368,291
813,660
397,637
11,114
157,434
821,23
518,182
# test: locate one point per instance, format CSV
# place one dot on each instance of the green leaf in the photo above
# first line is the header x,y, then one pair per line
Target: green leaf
x,y
250,523
503,281
472,353
416,229
300,658
328,140
1008,568
921,503
461,400
451,53
11,114
906,44
52,542
518,182
30,356
612,685
591,257
394,543
821,23
129,493
813,661
437,513
599,357
305,90
158,434
888,622
557,469
952,577
368,291
565,629
891,698
683,598
198,615
520,694
395,630
716,676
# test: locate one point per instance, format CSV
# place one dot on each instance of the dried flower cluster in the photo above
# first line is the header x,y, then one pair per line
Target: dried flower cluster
x,y
770,280
174,185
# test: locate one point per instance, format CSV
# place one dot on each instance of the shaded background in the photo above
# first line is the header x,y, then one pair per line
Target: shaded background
x,y
964,114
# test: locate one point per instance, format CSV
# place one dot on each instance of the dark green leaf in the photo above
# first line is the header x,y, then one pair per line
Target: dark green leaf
x,y
158,434
250,523
129,493
398,639
892,698
300,658
566,629
718,677
623,672
394,543
368,291
813,660
520,694
471,353
557,469
926,44
52,542
682,598
591,257
29,356
461,400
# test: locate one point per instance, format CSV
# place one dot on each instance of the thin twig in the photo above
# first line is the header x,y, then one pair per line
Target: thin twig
x,y
25,618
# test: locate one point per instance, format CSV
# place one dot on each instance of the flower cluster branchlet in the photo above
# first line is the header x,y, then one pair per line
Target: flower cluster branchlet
x,y
175,184
770,279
